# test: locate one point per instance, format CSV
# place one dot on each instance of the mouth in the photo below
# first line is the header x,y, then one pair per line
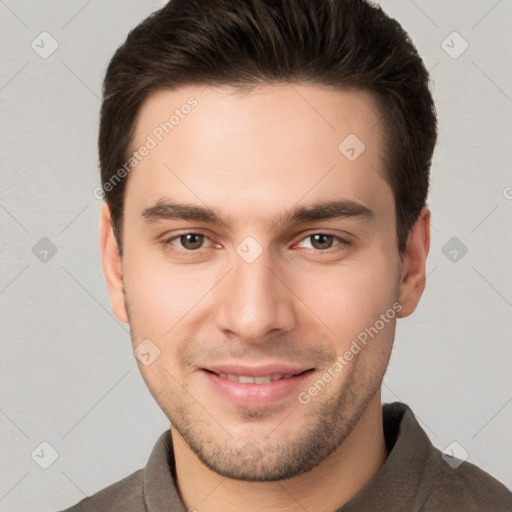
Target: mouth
x,y
256,387
259,379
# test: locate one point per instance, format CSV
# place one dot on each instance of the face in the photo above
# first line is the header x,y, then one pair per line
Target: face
x,y
260,274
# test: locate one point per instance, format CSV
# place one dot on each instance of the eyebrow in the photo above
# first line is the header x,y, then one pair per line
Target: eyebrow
x,y
166,209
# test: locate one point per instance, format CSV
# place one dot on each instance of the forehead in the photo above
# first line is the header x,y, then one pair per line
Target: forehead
x,y
299,109
278,143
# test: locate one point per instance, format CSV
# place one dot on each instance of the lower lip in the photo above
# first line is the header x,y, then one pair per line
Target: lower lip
x,y
256,395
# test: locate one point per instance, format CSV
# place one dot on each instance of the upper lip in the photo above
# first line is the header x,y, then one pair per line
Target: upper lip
x,y
256,371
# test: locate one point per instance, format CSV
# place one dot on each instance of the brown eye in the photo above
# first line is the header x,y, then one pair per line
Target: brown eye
x,y
192,241
321,241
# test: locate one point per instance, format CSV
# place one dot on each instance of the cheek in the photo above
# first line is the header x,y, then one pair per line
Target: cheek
x,y
349,299
162,296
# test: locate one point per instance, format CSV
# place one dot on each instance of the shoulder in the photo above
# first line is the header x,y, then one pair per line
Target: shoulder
x,y
125,495
466,488
434,481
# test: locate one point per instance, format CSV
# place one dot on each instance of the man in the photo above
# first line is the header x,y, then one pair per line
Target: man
x,y
265,166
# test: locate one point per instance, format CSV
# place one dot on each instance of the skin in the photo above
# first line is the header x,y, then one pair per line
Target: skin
x,y
252,157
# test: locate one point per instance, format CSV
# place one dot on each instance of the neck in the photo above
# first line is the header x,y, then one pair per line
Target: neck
x,y
328,486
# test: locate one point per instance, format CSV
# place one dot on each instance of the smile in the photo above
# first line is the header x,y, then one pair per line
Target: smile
x,y
248,379
255,387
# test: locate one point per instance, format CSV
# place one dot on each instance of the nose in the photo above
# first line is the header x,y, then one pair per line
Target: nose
x,y
254,302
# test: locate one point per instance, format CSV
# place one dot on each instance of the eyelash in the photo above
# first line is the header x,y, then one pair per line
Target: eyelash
x,y
167,243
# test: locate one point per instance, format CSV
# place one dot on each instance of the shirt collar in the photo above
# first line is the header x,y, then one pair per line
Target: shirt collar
x,y
159,483
399,479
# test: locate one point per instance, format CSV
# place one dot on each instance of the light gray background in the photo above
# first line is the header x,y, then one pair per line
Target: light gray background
x,y
68,376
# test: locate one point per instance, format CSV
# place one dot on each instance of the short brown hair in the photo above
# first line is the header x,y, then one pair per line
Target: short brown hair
x,y
348,44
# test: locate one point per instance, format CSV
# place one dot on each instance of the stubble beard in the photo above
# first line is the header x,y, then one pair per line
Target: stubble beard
x,y
325,424
319,428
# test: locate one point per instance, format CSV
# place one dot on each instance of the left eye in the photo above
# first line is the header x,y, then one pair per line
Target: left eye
x,y
322,241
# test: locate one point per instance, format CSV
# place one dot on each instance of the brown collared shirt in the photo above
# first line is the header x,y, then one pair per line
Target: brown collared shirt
x,y
415,478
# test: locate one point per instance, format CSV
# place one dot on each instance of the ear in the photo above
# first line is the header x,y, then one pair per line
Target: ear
x,y
414,259
112,264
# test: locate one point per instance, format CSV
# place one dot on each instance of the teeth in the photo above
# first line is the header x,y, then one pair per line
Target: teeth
x,y
247,379
262,380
